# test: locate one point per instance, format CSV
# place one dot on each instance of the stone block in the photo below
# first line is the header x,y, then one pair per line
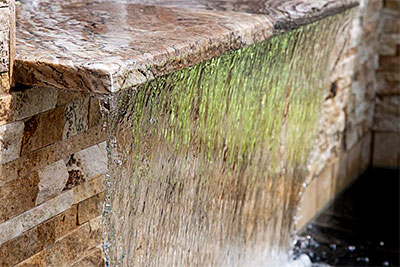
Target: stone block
x,y
39,159
325,190
308,204
95,117
66,97
5,108
386,150
340,173
53,179
42,130
70,248
18,196
387,114
4,82
94,258
31,101
27,245
88,189
4,45
37,260
353,163
76,117
33,217
90,208
10,141
65,222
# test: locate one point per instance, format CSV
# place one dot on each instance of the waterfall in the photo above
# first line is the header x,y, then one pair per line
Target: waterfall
x,y
207,164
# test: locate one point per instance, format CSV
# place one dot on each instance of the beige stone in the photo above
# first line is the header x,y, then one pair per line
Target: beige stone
x,y
70,248
90,208
4,44
10,141
65,222
37,132
386,150
33,217
31,101
18,196
387,117
94,258
68,96
93,161
353,163
308,204
49,154
5,108
76,117
36,260
88,189
366,146
95,117
52,181
325,190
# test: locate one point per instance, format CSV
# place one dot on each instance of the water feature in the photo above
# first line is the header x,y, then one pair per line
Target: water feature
x,y
207,164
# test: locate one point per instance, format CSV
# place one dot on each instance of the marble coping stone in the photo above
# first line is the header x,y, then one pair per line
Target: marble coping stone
x,y
103,46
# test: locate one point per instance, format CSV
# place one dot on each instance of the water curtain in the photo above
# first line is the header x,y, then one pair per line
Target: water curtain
x,y
206,164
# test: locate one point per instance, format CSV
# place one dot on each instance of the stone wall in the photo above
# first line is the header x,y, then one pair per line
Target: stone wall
x,y
7,44
52,166
387,116
53,159
343,148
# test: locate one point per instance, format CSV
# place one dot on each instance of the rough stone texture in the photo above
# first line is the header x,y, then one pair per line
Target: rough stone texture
x,y
90,208
30,244
38,134
5,108
21,223
18,196
47,155
36,260
71,247
76,117
387,115
88,189
10,141
94,258
52,181
32,101
7,43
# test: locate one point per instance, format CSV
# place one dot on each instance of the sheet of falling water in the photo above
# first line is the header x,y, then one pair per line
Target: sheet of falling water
x,y
206,164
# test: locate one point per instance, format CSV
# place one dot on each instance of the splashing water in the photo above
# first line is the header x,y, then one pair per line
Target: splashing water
x,y
206,164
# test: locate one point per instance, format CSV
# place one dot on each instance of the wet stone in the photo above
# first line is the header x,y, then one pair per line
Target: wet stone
x,y
76,118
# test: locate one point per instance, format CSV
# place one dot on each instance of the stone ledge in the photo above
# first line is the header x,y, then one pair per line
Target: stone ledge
x,y
122,49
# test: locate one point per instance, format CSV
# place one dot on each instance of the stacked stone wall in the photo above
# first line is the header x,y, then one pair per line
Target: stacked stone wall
x,y
343,150
52,167
386,149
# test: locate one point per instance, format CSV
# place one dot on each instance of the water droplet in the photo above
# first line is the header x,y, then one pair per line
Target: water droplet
x,y
385,263
351,248
381,243
333,246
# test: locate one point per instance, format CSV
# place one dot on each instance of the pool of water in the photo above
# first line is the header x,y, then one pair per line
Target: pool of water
x,y
360,228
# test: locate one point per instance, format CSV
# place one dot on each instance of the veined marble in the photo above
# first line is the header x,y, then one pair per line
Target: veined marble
x,y
104,46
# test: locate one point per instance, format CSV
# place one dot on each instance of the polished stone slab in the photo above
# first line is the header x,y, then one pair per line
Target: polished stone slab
x,y
103,46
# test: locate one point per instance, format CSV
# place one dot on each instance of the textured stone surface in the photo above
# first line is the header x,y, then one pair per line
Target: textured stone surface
x,y
4,39
18,196
52,181
47,155
76,117
71,247
121,47
387,116
95,117
88,189
5,108
29,245
90,208
33,100
38,134
10,141
94,258
36,260
21,223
